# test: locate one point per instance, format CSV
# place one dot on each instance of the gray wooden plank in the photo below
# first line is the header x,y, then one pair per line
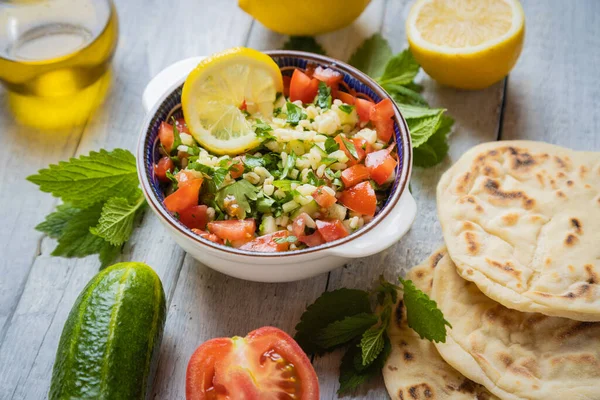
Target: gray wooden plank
x,y
27,353
553,92
477,116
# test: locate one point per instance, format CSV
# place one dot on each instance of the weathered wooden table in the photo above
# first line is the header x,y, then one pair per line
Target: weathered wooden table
x,y
551,95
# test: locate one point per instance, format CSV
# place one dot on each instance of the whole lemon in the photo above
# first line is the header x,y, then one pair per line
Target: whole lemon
x,y
304,17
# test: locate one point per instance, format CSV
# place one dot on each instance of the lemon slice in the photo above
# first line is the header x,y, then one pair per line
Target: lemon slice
x,y
216,89
468,44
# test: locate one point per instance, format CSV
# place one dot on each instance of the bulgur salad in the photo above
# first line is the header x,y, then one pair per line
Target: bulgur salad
x,y
323,168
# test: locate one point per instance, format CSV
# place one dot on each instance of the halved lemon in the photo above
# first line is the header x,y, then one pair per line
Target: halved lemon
x,y
219,88
468,44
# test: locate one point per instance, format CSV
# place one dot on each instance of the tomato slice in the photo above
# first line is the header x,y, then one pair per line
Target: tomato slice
x,y
207,235
165,135
355,174
233,229
302,87
385,129
312,240
194,217
185,196
346,98
359,147
323,197
360,198
161,167
266,243
331,77
363,108
331,230
267,364
381,165
382,111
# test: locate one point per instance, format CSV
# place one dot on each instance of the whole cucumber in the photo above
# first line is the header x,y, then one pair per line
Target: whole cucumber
x,y
111,339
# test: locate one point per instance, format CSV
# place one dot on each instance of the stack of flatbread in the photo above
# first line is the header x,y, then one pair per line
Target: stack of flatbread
x,y
519,280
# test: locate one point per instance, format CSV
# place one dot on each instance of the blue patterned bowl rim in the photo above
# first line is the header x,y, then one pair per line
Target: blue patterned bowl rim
x,y
355,79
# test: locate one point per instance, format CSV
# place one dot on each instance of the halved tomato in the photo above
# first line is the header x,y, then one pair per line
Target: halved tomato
x,y
360,198
233,229
323,197
331,77
267,244
312,240
161,167
185,196
355,174
382,110
208,236
381,165
302,87
346,98
363,108
331,230
265,365
194,217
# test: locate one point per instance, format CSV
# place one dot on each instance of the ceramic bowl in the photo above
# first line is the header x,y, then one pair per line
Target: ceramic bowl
x,y
163,94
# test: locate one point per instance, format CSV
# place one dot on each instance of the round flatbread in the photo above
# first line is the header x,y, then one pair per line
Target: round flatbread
x,y
414,370
515,355
522,220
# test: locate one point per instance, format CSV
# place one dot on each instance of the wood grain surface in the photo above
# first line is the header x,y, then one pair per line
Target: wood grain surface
x,y
551,95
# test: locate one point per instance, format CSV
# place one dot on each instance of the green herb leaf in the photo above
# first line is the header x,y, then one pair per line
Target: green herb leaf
x,y
108,254
400,69
386,291
352,377
422,314
294,114
346,108
343,331
76,239
116,221
263,130
252,162
217,174
242,191
265,203
56,222
435,149
329,307
417,112
176,137
313,179
287,239
331,145
90,179
403,95
290,163
304,43
372,56
421,129
323,99
350,147
285,185
372,343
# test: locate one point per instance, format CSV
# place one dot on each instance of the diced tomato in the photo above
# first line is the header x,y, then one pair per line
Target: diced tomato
x,y
360,198
302,87
236,168
181,125
331,230
160,169
363,108
286,85
208,236
331,77
346,97
383,110
233,229
312,240
185,176
381,165
355,174
385,129
266,364
185,196
194,217
165,135
323,197
359,145
266,243
299,224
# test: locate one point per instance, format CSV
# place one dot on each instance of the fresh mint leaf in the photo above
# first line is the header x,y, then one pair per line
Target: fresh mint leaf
x,y
56,222
372,343
421,129
107,255
76,239
294,114
290,163
323,99
372,56
242,191
435,149
404,95
346,108
352,377
400,69
343,331
350,147
416,112
329,307
386,291
116,221
287,239
90,179
304,43
331,145
422,314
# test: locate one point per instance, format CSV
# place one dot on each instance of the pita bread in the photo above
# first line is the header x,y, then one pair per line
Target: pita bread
x,y
515,355
522,220
414,370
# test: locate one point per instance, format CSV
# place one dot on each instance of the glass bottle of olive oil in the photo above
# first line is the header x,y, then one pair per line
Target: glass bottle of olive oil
x,y
54,58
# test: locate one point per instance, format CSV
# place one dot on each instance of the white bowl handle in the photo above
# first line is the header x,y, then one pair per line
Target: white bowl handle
x,y
166,79
385,234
